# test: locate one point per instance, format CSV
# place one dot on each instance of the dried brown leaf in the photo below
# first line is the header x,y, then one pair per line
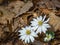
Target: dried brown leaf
x,y
19,7
25,8
16,24
54,21
5,15
15,6
56,3
46,4
26,19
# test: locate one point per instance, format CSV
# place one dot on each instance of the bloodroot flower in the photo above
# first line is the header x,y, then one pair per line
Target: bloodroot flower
x,y
40,24
27,34
48,37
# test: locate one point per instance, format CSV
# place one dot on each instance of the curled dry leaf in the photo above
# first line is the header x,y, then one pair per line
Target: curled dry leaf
x,y
49,4
14,26
19,7
56,3
5,15
25,19
25,8
45,11
15,6
54,21
22,22
46,4
17,24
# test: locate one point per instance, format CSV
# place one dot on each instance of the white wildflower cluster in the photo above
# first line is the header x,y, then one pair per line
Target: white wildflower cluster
x,y
48,37
38,25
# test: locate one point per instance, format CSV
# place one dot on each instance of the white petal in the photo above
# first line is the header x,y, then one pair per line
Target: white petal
x,y
27,39
29,27
23,37
33,23
43,29
32,39
45,39
34,28
50,36
40,18
21,34
26,27
47,25
34,34
35,20
22,31
47,20
38,30
44,17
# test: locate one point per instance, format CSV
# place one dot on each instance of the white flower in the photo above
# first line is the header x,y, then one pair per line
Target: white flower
x,y
48,37
27,34
40,25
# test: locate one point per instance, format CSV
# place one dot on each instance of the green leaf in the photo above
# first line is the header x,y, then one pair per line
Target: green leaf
x,y
51,33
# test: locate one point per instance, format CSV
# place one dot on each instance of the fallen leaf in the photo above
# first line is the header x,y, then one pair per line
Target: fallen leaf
x,y
15,6
25,8
56,3
5,15
19,7
54,21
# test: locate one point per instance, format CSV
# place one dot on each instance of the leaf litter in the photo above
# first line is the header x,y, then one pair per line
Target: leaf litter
x,y
17,14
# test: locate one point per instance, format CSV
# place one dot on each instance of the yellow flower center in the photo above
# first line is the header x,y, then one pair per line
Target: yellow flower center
x,y
40,23
28,32
48,36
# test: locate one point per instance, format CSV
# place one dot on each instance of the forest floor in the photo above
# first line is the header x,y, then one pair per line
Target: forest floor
x,y
15,14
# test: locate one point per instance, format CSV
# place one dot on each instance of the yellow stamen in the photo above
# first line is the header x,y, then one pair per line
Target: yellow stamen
x,y
28,32
40,23
48,36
